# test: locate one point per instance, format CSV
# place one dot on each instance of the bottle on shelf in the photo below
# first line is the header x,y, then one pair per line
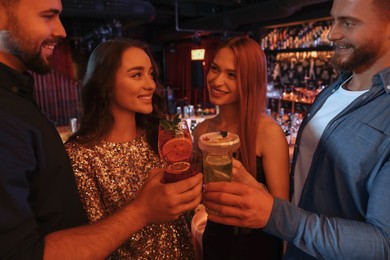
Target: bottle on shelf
x,y
199,110
179,112
306,35
268,112
191,110
186,112
280,118
294,127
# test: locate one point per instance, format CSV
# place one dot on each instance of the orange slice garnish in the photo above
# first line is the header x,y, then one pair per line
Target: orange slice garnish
x,y
178,167
177,149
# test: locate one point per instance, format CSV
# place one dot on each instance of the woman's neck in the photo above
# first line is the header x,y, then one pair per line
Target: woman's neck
x,y
123,130
228,118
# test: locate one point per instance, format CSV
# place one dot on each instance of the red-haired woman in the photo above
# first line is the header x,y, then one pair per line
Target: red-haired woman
x,y
237,83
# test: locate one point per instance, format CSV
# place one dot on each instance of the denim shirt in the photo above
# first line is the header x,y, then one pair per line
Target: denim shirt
x,y
344,210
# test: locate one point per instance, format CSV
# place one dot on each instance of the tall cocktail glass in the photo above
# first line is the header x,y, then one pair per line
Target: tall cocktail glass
x,y
175,148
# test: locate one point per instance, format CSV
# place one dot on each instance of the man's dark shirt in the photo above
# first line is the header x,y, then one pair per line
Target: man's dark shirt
x,y
38,193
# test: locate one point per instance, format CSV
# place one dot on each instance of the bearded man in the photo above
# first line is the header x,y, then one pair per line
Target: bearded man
x,y
340,207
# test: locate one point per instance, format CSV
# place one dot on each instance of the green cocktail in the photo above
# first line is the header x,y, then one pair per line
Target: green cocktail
x,y
217,152
217,168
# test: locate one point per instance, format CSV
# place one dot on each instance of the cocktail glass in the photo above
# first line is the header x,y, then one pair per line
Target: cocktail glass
x,y
175,148
217,149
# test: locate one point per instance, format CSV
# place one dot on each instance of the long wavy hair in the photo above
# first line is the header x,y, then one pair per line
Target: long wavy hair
x,y
251,74
97,120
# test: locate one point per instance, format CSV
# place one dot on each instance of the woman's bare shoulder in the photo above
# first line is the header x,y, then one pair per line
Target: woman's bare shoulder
x,y
270,140
268,127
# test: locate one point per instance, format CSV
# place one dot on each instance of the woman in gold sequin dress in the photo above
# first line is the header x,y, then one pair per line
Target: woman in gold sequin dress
x,y
115,148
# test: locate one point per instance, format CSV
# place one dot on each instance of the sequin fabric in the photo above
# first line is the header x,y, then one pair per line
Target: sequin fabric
x,y
109,176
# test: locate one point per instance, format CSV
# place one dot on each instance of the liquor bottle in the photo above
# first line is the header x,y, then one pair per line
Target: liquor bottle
x,y
280,118
294,127
199,110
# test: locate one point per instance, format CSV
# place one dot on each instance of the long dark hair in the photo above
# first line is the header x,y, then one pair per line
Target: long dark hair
x,y
97,120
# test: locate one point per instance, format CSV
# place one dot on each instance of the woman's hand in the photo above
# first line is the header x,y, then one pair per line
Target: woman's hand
x,y
161,202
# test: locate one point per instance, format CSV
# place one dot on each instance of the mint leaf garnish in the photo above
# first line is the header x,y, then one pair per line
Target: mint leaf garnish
x,y
170,124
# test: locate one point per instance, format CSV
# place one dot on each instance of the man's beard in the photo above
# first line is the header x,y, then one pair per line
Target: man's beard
x,y
22,46
359,60
37,64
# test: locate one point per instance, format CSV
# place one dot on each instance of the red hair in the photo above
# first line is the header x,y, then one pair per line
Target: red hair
x,y
251,73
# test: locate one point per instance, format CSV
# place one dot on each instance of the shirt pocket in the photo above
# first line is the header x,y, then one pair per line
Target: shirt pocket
x,y
357,147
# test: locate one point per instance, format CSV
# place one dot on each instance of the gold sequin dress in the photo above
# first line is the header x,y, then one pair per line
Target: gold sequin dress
x,y
108,176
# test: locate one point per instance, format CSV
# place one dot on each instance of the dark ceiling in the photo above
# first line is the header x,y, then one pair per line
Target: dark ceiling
x,y
163,21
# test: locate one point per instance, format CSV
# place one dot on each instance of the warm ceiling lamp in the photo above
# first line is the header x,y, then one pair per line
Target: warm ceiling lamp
x,y
197,54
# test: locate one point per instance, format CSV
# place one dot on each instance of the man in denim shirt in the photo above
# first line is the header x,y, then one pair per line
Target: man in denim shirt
x,y
340,208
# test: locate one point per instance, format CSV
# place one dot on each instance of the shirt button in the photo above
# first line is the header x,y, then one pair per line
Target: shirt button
x,y
308,115
388,87
14,89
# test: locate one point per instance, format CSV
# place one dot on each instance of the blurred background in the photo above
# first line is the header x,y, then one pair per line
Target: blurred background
x,y
291,32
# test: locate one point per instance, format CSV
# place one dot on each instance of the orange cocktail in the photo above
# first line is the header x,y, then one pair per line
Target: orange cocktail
x,y
175,148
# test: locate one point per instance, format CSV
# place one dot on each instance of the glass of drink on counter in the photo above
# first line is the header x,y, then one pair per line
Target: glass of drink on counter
x,y
217,153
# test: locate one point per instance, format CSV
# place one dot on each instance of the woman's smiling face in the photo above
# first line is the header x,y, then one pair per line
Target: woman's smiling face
x,y
222,78
134,83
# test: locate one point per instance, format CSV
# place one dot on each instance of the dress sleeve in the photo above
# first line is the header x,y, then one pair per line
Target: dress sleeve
x,y
87,182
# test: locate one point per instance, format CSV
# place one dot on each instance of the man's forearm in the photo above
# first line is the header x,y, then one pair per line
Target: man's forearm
x,y
95,241
324,237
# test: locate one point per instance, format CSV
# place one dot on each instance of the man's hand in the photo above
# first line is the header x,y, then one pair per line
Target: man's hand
x,y
240,174
238,204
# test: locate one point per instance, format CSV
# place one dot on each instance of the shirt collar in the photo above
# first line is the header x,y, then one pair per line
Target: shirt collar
x,y
16,82
381,79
